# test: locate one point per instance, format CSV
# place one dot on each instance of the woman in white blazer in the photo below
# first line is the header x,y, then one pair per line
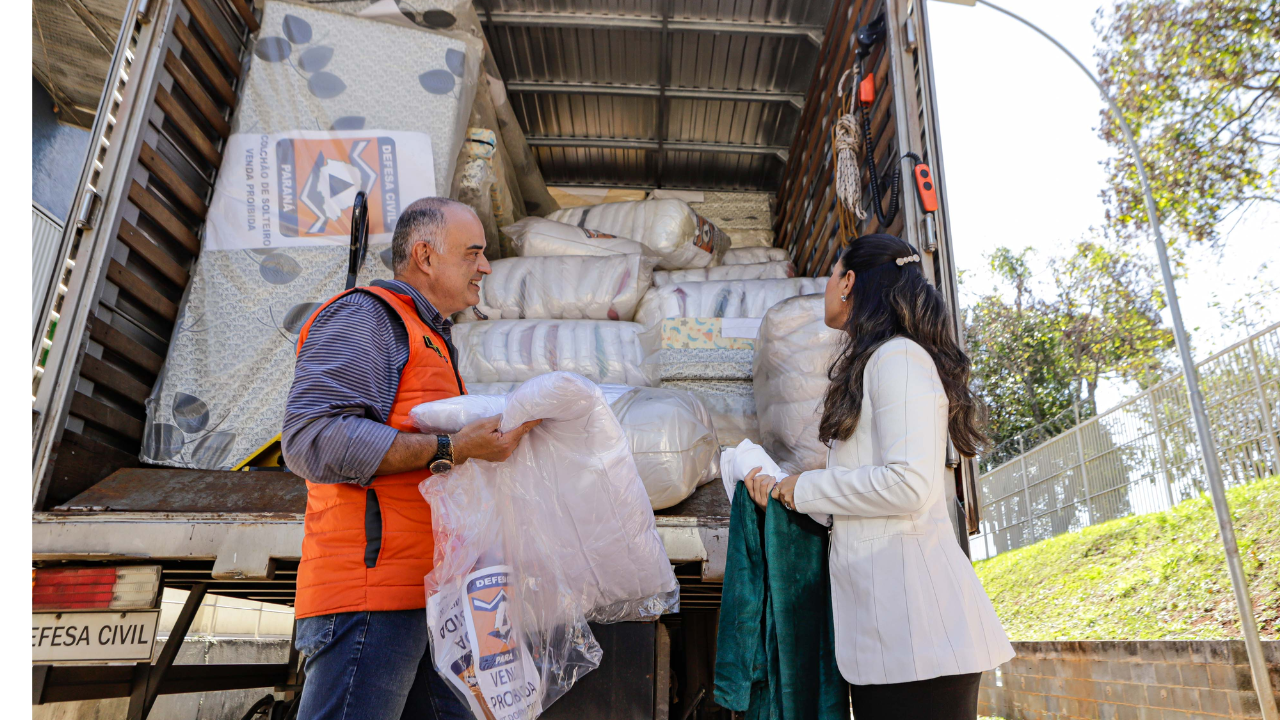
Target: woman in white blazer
x,y
914,630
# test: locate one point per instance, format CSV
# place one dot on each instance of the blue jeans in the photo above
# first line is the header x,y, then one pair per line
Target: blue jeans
x,y
373,666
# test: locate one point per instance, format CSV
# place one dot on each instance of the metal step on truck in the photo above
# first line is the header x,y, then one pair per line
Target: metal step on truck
x,y
655,94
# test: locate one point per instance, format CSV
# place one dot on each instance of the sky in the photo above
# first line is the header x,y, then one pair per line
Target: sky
x,y
1024,163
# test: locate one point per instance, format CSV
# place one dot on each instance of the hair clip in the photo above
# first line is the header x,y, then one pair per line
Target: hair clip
x,y
909,258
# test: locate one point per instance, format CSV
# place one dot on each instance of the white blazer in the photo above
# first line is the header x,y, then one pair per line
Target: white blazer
x,y
906,601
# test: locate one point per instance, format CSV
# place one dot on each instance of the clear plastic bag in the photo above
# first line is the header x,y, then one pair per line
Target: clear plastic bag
x,y
755,271
722,299
538,237
753,255
732,405
670,227
568,503
793,352
672,438
603,351
567,287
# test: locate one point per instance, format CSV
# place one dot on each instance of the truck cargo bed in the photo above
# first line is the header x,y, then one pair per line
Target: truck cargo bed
x,y
242,531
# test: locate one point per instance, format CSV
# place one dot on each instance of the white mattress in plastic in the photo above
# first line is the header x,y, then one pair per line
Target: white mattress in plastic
x,y
756,271
669,227
603,351
326,99
672,437
722,299
753,255
793,352
566,287
540,237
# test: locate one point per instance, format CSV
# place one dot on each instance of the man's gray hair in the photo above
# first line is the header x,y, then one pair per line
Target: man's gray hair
x,y
424,220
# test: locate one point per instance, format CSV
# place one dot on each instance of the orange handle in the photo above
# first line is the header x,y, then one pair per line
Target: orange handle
x,y
924,184
867,90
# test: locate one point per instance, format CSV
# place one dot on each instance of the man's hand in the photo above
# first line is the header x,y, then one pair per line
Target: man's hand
x,y
483,440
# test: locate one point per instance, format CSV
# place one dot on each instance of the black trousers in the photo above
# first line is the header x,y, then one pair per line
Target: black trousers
x,y
950,697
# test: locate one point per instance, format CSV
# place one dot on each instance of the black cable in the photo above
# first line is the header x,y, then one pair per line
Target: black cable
x,y
873,179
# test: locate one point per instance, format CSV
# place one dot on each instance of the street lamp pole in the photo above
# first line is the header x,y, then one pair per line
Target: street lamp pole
x,y
1213,471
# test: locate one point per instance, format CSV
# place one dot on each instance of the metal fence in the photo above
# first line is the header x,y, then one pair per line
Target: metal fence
x,y
46,237
1140,456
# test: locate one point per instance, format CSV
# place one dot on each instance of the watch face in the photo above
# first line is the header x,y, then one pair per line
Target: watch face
x,y
440,467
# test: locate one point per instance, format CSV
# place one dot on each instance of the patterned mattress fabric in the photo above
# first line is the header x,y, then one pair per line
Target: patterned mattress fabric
x,y
721,299
565,287
603,351
747,218
680,236
331,105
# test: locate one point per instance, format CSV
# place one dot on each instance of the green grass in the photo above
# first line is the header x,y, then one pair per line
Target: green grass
x,y
1160,576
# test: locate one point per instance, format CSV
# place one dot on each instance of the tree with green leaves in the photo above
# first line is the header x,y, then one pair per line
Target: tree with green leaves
x,y
1039,348
1199,82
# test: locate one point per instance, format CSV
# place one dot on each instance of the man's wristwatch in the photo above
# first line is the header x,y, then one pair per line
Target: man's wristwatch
x,y
443,460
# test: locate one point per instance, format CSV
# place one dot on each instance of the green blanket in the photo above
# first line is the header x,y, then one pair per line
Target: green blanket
x,y
775,650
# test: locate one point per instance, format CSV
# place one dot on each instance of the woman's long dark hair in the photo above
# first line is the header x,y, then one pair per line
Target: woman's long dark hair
x,y
890,300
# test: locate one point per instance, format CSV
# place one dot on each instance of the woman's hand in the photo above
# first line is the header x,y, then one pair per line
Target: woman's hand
x,y
758,486
785,492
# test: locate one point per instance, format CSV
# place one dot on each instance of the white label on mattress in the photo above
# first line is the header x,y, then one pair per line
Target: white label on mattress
x,y
297,188
740,327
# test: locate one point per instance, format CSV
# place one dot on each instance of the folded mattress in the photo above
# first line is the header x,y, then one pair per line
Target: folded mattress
x,y
681,237
565,287
383,112
603,351
721,299
753,255
539,237
755,271
793,352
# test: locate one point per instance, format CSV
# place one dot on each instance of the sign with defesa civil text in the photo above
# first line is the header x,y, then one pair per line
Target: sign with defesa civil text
x,y
81,636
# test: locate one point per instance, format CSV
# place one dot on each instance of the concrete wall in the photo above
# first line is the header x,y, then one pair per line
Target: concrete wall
x,y
57,155
1133,680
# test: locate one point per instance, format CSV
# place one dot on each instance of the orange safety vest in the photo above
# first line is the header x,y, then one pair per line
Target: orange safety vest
x,y
368,548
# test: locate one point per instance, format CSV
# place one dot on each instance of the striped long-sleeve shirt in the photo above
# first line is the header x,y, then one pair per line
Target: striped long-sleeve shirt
x,y
345,382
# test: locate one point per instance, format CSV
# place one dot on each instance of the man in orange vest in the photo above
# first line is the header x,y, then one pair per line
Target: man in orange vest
x,y
365,359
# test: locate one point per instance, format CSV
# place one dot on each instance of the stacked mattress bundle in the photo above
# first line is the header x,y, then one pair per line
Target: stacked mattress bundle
x,y
385,112
756,271
792,355
746,217
700,337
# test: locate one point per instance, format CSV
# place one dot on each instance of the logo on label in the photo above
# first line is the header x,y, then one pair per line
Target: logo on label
x,y
319,179
489,613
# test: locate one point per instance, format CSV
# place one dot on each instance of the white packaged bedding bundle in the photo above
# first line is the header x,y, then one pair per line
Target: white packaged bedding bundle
x,y
540,237
603,351
755,271
792,355
669,227
566,287
753,255
671,433
722,299
528,550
